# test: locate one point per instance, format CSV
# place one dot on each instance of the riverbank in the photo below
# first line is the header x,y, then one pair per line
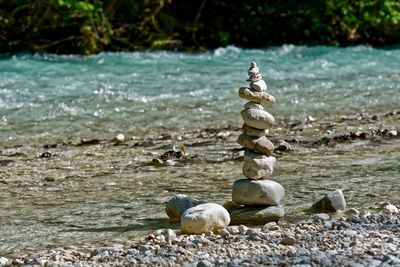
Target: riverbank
x,y
98,192
351,239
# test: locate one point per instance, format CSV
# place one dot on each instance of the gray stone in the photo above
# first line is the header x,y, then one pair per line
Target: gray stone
x,y
333,201
253,105
204,263
256,215
257,192
256,118
203,218
259,86
248,130
255,78
257,166
253,70
258,144
321,217
259,97
179,204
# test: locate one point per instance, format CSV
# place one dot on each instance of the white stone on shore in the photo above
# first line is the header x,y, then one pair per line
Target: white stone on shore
x,y
120,138
259,144
256,215
257,166
253,105
203,218
333,201
256,118
259,86
257,192
179,204
3,261
389,208
259,97
248,130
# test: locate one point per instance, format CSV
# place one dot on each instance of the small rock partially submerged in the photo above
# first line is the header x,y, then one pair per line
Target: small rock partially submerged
x,y
333,201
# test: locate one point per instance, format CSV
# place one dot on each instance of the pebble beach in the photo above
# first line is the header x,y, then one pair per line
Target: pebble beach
x,y
354,240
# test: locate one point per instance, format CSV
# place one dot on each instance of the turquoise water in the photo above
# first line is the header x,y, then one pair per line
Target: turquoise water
x,y
49,96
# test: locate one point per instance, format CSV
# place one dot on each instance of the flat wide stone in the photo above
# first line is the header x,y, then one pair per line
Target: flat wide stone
x,y
256,215
259,144
257,166
257,192
257,118
259,97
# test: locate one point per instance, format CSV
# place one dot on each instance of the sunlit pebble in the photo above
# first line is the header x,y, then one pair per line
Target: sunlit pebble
x,y
120,137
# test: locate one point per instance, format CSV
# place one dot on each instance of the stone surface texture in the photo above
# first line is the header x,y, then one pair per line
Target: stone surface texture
x,y
257,166
257,192
256,118
204,217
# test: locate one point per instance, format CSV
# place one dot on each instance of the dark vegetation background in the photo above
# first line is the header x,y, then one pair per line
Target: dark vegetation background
x,y
92,26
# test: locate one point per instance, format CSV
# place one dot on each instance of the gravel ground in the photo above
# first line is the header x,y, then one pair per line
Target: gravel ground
x,y
350,239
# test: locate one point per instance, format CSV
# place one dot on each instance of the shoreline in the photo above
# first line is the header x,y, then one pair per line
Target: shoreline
x,y
352,239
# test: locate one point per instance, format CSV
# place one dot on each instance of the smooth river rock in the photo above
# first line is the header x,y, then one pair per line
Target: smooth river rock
x,y
257,192
248,130
179,204
253,70
256,118
259,86
203,218
253,105
255,78
257,166
333,201
256,215
259,97
259,144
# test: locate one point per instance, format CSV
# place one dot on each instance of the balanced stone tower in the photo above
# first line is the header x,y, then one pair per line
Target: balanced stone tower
x,y
256,199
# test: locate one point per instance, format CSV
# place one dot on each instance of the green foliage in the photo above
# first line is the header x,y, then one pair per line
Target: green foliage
x,y
92,26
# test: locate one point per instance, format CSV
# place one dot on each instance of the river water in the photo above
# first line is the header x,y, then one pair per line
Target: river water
x,y
104,193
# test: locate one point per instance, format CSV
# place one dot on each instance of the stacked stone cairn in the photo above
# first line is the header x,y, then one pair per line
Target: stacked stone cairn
x,y
256,199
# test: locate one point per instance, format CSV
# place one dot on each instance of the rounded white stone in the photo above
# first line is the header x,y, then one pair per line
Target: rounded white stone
x,y
256,118
257,166
259,86
257,192
203,218
259,97
179,204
